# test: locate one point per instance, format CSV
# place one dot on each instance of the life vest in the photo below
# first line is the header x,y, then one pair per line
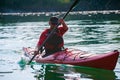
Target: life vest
x,y
55,41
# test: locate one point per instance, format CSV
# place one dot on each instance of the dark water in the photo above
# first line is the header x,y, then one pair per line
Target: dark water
x,y
94,36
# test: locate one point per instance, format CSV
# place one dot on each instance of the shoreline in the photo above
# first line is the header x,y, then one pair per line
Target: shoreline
x,y
60,13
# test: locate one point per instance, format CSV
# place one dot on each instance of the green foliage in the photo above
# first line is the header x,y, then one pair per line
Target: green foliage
x,y
55,5
35,5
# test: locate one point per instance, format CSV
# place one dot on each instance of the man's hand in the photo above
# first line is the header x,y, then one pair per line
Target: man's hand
x,y
61,21
63,24
36,51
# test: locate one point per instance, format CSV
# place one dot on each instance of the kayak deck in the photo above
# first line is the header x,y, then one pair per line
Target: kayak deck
x,y
77,57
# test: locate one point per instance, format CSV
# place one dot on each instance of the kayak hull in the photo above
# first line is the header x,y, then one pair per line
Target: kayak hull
x,y
77,57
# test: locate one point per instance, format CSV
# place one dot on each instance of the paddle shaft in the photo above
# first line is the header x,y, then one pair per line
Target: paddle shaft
x,y
72,6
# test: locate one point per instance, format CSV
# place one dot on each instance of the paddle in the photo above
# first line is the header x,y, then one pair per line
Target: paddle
x,y
72,6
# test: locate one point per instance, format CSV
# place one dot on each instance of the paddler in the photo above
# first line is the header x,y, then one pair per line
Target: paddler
x,y
55,42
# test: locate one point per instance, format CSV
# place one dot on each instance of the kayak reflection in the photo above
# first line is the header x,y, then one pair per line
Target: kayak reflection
x,y
68,72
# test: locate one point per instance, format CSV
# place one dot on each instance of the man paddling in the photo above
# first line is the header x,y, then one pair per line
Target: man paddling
x,y
55,43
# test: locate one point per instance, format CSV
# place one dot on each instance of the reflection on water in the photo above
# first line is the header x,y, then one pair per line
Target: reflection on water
x,y
64,72
92,35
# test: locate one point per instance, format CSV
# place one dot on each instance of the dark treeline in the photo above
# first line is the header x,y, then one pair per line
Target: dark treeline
x,y
56,5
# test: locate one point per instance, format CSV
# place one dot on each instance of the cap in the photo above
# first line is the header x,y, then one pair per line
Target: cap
x,y
54,20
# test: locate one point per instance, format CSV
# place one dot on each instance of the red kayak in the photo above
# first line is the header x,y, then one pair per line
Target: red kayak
x,y
77,57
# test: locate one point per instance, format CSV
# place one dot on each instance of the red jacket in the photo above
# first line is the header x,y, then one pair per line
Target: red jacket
x,y
46,32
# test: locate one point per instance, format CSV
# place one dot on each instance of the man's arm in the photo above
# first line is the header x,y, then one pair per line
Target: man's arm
x,y
65,27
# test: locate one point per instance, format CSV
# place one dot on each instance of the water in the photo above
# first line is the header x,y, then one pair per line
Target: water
x,y
95,36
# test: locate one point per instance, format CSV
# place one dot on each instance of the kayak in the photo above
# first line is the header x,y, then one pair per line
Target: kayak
x,y
77,57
